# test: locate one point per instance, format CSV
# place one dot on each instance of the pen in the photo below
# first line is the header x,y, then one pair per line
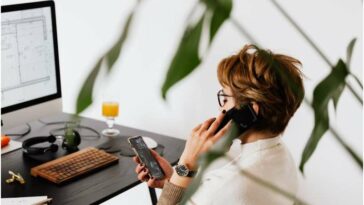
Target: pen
x,y
45,201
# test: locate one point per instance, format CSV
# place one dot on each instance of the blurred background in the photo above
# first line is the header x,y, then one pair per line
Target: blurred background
x,y
87,29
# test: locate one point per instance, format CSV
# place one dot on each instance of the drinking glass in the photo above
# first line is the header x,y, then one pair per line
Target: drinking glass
x,y
110,110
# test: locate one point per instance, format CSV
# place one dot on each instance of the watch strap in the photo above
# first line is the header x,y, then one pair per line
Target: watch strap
x,y
191,173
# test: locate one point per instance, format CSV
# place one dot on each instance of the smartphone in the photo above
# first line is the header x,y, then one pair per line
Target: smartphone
x,y
145,156
244,118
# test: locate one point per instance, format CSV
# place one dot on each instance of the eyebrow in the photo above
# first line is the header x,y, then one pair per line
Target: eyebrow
x,y
224,94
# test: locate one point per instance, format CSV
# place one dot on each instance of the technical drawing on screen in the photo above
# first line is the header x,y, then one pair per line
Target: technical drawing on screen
x,y
29,65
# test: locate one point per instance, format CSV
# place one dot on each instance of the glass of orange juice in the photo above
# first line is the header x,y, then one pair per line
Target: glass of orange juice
x,y
110,110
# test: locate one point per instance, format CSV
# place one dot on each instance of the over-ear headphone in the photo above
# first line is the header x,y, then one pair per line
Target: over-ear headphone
x,y
69,143
28,149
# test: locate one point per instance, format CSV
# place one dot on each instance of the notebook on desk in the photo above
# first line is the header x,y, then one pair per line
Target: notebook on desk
x,y
32,200
12,146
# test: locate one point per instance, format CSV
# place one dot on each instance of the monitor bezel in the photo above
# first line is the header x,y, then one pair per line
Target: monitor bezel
x,y
58,94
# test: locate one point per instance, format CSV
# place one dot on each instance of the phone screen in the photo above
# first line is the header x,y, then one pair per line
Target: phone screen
x,y
142,151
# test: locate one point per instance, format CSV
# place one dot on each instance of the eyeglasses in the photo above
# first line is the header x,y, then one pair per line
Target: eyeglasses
x,y
221,97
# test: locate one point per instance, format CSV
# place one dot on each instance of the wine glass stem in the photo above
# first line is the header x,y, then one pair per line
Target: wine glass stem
x,y
110,122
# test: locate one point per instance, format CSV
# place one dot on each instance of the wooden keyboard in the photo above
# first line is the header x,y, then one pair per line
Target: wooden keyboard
x,y
74,165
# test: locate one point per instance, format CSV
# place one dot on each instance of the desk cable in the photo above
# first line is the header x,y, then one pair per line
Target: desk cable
x,y
65,122
19,135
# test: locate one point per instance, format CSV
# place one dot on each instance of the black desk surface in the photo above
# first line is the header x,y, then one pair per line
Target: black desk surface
x,y
93,188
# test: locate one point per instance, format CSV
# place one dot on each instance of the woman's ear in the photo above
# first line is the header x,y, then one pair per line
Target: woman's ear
x,y
255,107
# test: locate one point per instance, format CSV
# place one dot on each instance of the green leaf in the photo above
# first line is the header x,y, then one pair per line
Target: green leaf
x,y
340,87
217,151
349,51
327,89
186,58
84,98
336,95
221,10
113,54
192,188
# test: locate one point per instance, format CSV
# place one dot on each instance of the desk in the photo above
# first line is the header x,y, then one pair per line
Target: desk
x,y
91,189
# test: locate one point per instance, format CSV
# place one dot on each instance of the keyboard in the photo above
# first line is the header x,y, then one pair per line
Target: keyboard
x,y
73,165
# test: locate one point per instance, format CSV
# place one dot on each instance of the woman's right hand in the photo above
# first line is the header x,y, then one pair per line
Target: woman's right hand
x,y
143,172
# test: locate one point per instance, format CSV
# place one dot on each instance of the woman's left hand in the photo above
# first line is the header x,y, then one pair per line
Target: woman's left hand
x,y
201,140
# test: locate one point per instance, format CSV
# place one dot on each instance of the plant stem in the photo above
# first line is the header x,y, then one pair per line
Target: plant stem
x,y
243,31
356,80
305,36
354,93
308,39
347,148
267,184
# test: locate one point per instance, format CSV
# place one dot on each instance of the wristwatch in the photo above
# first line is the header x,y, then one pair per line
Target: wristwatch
x,y
183,171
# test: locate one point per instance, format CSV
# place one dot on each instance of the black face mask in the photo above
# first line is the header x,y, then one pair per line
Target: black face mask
x,y
244,118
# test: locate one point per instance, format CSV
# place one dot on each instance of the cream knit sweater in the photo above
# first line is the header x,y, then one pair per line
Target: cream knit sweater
x,y
268,159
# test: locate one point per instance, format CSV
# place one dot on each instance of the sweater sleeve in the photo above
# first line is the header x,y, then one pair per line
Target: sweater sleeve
x,y
171,194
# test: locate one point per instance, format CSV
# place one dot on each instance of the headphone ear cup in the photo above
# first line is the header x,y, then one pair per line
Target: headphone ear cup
x,y
51,138
72,141
53,148
77,139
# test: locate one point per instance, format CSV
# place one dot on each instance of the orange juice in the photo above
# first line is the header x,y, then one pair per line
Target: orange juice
x,y
110,109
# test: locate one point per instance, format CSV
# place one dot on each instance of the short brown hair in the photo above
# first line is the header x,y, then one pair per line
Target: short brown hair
x,y
273,81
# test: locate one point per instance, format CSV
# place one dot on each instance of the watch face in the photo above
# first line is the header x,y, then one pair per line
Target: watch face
x,y
182,170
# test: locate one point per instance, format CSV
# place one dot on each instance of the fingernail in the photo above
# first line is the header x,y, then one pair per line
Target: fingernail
x,y
224,111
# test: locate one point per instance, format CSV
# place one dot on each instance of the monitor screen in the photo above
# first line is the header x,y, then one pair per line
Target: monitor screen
x,y
29,56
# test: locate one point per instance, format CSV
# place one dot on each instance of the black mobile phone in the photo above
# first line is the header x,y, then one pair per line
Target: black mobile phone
x,y
145,156
244,118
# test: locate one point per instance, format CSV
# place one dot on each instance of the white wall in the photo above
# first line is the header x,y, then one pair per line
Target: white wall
x,y
87,29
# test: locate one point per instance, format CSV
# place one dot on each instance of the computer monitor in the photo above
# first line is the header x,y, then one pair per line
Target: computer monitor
x,y
30,76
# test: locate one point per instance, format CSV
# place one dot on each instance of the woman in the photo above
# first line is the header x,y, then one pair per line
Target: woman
x,y
272,84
